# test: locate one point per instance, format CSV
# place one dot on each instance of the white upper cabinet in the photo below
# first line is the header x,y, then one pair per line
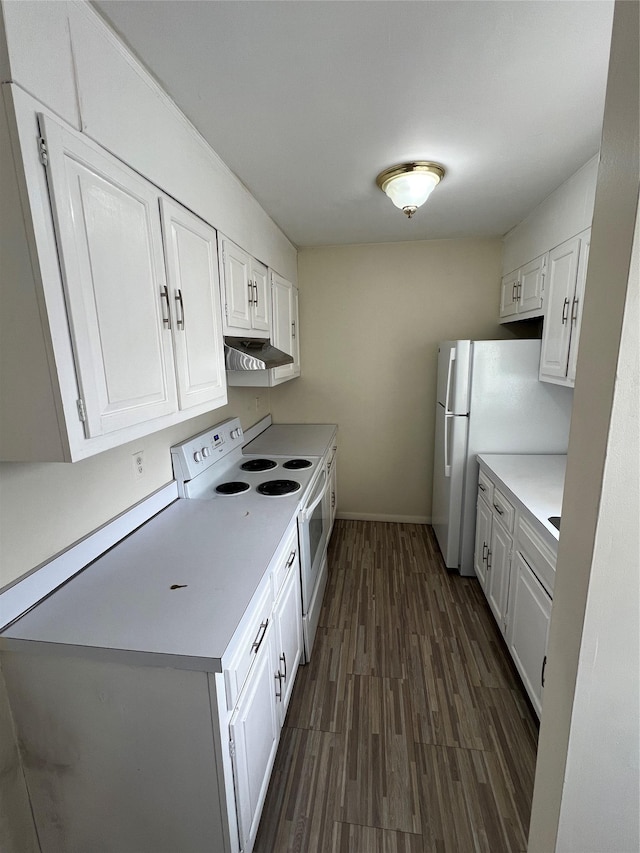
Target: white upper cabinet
x,y
521,292
285,326
563,311
194,295
110,249
284,336
245,288
113,327
576,307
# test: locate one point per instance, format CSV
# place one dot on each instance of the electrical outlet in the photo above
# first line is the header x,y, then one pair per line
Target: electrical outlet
x,y
138,464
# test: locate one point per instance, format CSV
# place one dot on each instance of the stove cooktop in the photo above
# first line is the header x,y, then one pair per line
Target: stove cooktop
x,y
212,466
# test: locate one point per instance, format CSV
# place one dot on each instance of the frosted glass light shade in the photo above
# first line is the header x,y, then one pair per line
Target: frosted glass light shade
x,y
410,184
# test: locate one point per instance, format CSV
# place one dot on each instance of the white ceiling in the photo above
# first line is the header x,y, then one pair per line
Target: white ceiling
x,y
307,100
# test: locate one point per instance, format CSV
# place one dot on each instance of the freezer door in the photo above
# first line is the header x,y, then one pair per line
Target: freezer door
x,y
453,376
448,481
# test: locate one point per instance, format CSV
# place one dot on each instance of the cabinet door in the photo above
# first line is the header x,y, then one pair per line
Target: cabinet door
x,y
110,250
576,307
529,616
261,308
531,285
254,730
509,294
238,287
285,326
287,616
498,568
556,335
483,541
191,256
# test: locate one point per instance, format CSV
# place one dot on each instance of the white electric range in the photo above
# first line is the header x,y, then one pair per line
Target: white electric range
x,y
285,464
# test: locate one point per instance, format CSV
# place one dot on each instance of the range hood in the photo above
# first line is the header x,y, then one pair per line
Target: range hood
x,y
253,354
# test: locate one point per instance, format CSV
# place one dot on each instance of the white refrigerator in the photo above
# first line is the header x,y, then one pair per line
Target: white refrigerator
x,y
489,400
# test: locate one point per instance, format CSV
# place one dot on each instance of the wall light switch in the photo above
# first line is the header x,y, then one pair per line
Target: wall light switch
x,y
138,465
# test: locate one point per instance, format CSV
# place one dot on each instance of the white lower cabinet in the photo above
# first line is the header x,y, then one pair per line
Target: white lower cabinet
x,y
483,541
529,616
287,617
498,572
516,570
181,749
254,733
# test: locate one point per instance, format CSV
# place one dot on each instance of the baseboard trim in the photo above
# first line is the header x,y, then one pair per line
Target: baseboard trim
x,y
371,516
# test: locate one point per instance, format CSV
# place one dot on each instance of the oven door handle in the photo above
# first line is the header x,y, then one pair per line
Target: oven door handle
x,y
307,512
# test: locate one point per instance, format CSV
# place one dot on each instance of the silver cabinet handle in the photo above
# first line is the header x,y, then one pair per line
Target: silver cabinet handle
x,y
283,658
544,666
250,286
255,291
485,551
292,557
180,319
574,311
164,294
498,510
488,559
513,292
262,630
565,306
518,291
278,678
482,488
293,330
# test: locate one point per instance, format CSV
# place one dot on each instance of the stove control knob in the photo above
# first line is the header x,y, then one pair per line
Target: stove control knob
x,y
197,456
236,433
206,452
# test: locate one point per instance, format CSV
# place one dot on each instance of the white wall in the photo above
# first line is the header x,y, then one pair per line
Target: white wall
x,y
371,317
587,777
564,213
45,507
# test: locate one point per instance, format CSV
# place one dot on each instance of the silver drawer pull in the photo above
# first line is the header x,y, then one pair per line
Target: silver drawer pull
x,y
283,658
488,558
292,557
498,510
278,678
482,488
485,551
262,630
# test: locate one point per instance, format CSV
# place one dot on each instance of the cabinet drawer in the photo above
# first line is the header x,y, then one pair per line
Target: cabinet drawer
x,y
246,642
503,509
485,487
290,558
538,556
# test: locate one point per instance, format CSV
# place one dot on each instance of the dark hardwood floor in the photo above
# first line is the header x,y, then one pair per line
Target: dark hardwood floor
x,y
409,730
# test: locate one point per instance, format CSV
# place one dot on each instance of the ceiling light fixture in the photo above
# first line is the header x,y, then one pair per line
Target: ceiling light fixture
x,y
409,185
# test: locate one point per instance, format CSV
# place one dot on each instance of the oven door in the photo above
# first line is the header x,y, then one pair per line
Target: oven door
x,y
313,528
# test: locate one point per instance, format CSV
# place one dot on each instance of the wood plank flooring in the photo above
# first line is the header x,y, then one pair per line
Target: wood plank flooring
x,y
408,732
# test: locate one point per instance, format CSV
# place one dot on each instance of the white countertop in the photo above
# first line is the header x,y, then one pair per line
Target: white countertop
x,y
535,481
123,601
293,440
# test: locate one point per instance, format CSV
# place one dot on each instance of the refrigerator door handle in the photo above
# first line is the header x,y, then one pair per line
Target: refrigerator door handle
x,y
447,463
452,358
